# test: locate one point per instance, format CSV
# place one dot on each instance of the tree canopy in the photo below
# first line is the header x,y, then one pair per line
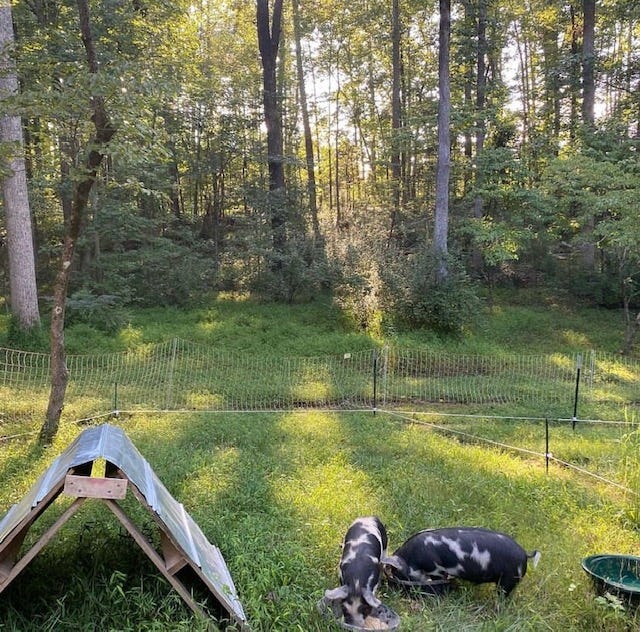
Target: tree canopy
x,y
197,193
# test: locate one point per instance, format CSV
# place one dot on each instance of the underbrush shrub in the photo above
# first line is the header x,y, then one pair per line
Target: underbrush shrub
x,y
35,339
102,311
413,295
297,274
356,290
162,272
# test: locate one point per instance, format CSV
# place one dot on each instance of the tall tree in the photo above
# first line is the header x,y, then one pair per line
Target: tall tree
x,y
15,197
481,87
269,28
588,118
308,138
588,62
104,131
396,113
443,168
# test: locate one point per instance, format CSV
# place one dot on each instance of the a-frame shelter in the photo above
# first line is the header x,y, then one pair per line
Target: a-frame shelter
x,y
182,542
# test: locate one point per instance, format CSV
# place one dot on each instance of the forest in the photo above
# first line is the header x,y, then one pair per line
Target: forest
x,y
402,157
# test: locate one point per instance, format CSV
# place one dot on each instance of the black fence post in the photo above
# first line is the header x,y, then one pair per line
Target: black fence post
x,y
375,381
575,396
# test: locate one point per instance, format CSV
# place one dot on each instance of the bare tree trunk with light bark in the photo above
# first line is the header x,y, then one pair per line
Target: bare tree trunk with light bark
x,y
443,168
15,197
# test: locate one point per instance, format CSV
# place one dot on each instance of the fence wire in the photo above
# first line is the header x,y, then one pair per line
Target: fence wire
x,y
183,375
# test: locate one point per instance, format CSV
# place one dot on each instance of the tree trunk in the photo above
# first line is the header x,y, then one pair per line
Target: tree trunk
x,y
104,133
588,118
308,139
574,75
396,118
268,42
443,167
22,270
552,86
478,202
588,63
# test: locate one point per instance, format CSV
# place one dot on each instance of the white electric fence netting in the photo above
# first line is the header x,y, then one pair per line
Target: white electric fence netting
x,y
182,375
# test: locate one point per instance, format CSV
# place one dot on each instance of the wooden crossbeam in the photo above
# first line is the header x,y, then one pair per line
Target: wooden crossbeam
x,y
94,487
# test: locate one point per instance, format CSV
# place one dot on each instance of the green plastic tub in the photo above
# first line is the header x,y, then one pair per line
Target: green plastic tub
x,y
614,573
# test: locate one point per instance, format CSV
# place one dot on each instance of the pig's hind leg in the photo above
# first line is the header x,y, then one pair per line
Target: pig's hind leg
x,y
506,584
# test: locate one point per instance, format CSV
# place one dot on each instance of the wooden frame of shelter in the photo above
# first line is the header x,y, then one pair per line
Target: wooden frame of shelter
x,y
182,543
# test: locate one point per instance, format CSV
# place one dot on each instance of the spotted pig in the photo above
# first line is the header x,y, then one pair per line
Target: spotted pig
x,y
470,553
365,546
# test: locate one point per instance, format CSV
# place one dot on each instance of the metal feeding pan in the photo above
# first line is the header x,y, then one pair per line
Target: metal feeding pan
x,y
432,587
615,573
384,618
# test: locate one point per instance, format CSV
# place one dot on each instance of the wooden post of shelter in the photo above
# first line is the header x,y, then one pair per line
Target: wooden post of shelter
x,y
182,543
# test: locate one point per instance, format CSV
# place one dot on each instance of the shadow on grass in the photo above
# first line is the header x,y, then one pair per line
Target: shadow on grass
x,y
276,493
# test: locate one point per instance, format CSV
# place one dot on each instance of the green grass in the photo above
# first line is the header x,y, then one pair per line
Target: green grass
x,y
276,492
517,322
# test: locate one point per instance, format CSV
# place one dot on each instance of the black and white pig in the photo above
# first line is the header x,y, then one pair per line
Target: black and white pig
x,y
363,550
471,553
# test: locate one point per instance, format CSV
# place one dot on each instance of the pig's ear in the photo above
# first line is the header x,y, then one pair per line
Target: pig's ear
x,y
392,560
371,599
342,592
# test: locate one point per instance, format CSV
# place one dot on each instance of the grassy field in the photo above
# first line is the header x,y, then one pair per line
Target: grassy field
x,y
277,491
518,322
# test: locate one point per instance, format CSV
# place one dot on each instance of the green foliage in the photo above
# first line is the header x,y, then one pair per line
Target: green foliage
x,y
159,272
298,273
104,311
415,297
357,289
36,339
596,190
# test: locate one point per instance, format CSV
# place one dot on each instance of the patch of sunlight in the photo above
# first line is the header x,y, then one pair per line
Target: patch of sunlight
x,y
618,372
209,326
334,490
314,382
606,394
16,401
576,338
489,459
237,297
82,404
321,485
312,425
99,468
163,429
203,399
214,478
312,390
130,336
563,361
